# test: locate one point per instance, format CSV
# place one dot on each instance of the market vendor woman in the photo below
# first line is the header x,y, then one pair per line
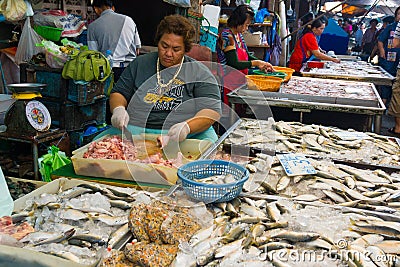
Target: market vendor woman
x,y
232,49
307,45
167,92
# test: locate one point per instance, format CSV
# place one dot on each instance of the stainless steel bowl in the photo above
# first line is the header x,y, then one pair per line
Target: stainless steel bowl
x,y
26,87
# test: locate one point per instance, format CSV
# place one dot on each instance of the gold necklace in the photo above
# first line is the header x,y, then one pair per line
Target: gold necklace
x,y
168,84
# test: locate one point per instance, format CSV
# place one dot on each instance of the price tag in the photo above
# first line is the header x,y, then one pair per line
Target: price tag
x,y
350,136
296,164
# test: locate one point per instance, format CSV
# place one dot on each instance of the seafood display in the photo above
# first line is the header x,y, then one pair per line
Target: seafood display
x,y
256,232
316,140
359,69
114,147
330,88
77,223
336,184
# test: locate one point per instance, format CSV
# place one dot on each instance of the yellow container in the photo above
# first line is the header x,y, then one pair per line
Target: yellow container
x,y
288,71
263,83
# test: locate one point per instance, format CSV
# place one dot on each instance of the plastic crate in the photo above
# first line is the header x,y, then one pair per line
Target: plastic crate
x,y
208,193
53,81
49,33
69,116
83,137
84,94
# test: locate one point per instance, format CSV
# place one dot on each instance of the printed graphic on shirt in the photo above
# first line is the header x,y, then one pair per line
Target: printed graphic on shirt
x,y
168,100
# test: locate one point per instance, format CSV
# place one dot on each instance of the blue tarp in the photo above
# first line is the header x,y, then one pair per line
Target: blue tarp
x,y
334,38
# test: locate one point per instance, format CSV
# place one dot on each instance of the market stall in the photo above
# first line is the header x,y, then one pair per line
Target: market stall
x,y
349,70
305,95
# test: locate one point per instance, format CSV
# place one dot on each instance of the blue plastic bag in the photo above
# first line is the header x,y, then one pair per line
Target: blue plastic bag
x,y
261,14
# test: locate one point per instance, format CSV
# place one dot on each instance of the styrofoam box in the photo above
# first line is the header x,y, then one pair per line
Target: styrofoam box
x,y
254,38
136,171
11,256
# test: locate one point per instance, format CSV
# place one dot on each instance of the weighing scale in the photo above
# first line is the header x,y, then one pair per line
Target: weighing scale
x,y
27,116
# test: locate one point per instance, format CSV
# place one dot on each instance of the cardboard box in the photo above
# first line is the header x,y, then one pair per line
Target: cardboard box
x,y
254,38
139,172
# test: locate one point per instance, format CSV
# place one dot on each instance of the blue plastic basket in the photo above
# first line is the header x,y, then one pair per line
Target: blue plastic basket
x,y
209,193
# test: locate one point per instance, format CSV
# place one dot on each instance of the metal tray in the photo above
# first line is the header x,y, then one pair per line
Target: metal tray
x,y
387,80
26,87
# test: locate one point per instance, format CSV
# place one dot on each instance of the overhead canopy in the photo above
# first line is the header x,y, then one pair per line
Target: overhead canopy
x,y
359,7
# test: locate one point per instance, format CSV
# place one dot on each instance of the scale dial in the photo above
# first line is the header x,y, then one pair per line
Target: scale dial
x,y
38,115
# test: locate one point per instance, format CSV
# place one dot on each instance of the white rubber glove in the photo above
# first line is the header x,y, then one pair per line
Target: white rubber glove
x,y
179,131
120,117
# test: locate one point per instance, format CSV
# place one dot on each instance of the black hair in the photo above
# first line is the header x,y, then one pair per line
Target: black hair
x,y
178,25
315,24
239,15
100,3
388,19
397,10
373,20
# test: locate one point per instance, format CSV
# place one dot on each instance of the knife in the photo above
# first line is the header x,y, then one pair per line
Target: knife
x,y
128,134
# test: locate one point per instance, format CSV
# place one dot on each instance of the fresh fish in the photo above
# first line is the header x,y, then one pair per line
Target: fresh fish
x,y
335,197
110,220
273,211
283,182
58,238
74,192
228,248
79,243
201,235
306,197
117,235
89,209
252,211
121,204
90,238
234,233
36,237
296,236
249,219
72,214
205,257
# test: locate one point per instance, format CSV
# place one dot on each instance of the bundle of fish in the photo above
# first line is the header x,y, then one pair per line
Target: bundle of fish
x,y
77,223
317,140
248,232
329,88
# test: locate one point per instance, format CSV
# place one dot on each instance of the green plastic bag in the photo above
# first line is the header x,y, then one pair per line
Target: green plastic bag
x,y
50,162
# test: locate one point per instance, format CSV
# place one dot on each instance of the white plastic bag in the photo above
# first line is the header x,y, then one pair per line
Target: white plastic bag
x,y
13,10
27,44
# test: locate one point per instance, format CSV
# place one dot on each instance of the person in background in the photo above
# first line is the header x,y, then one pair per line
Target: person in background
x,y
394,106
367,43
358,37
115,32
388,56
385,22
340,22
307,45
232,49
167,92
347,27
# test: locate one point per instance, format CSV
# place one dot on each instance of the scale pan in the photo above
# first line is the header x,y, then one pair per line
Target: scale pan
x,y
26,87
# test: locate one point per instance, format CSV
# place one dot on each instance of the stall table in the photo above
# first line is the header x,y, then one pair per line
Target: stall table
x,y
350,70
40,138
332,100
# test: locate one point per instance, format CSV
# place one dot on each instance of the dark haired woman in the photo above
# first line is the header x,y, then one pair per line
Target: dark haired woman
x,y
307,46
232,49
